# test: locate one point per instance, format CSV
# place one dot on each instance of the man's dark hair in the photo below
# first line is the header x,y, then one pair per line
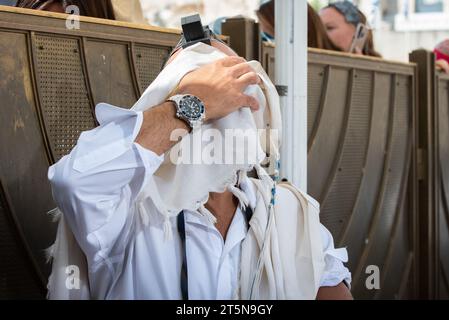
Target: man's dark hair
x,y
91,8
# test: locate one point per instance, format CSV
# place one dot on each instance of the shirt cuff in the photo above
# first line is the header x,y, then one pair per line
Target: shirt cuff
x,y
116,134
335,272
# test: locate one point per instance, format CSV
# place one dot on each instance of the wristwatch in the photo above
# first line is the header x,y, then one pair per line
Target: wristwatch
x,y
190,109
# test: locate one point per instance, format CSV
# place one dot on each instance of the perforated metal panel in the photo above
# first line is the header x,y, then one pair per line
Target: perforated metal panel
x,y
386,222
317,75
359,160
149,62
111,73
63,93
339,201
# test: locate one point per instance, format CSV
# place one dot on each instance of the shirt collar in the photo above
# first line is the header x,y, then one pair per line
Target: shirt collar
x,y
248,189
238,228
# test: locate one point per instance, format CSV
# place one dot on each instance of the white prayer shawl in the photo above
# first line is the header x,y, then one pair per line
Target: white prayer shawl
x,y
166,188
282,255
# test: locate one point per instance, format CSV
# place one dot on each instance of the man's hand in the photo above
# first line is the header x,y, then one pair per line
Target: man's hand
x,y
442,65
220,85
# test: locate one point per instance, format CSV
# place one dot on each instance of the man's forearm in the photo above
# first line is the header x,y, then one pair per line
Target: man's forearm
x,y
340,292
157,127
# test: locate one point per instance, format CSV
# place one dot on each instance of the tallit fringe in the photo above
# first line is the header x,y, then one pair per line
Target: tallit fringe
x,y
168,231
145,217
50,253
206,213
239,194
242,175
255,286
55,214
144,214
265,177
269,187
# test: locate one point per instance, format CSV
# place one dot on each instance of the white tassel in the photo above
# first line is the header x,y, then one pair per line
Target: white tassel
x,y
236,294
242,174
49,253
265,177
55,214
239,194
168,232
206,213
144,214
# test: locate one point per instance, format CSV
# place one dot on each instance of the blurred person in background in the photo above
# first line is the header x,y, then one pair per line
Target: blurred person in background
x,y
317,36
123,10
128,10
442,56
7,2
98,8
341,20
316,33
265,13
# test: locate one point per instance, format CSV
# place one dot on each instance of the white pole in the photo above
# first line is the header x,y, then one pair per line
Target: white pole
x,y
291,73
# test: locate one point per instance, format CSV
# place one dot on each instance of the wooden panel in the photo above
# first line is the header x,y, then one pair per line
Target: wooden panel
x,y
267,60
110,73
23,170
244,36
50,80
149,61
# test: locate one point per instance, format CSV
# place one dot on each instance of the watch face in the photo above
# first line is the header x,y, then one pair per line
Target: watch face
x,y
191,107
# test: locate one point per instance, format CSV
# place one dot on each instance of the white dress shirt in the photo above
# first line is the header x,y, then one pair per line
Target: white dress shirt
x,y
96,186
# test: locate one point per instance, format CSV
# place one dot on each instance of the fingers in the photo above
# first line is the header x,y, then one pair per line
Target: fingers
x,y
358,51
250,78
230,61
240,69
248,101
442,65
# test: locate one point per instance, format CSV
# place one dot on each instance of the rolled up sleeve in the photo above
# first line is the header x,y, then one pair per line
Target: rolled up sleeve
x,y
95,185
335,272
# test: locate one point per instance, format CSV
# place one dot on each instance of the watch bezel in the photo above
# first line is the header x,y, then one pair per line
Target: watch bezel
x,y
193,122
182,107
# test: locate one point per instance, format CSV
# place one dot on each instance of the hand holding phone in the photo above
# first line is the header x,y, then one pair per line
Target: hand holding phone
x,y
360,37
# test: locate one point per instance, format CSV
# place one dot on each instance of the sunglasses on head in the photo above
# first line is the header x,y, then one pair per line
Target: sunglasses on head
x,y
348,10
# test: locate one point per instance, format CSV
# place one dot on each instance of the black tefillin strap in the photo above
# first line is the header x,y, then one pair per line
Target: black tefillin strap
x,y
248,212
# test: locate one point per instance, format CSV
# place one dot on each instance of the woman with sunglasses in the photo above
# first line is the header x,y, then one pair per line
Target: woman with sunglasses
x,y
342,19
